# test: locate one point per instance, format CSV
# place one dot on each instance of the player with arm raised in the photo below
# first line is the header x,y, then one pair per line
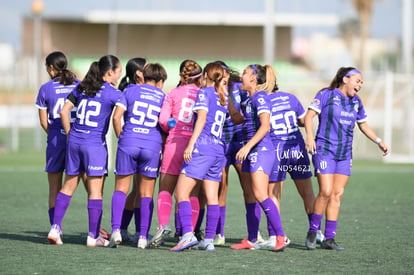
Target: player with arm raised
x,y
338,108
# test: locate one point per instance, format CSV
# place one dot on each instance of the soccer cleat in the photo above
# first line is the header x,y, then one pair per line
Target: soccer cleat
x,y
311,240
187,241
177,237
199,234
245,244
159,236
319,237
219,240
100,241
331,244
142,242
207,245
259,237
280,243
271,243
125,235
116,238
55,235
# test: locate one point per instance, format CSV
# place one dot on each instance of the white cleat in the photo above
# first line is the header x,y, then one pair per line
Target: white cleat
x,y
55,235
98,242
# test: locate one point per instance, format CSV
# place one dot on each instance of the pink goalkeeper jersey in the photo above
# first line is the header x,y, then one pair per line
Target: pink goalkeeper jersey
x,y
179,104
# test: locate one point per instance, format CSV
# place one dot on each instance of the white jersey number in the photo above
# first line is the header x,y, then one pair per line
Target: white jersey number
x,y
145,114
284,123
217,127
186,111
84,115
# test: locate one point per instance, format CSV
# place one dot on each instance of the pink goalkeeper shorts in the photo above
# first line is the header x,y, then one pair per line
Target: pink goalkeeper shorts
x,y
173,156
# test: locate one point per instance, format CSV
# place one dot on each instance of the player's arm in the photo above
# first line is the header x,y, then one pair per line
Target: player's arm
x,y
198,128
257,137
235,115
43,120
117,120
65,115
369,133
308,123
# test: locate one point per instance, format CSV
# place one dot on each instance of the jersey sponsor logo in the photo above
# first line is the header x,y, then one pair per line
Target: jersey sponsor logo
x,y
288,154
140,130
151,169
95,168
347,114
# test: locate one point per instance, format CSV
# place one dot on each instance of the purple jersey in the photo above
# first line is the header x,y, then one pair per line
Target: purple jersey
x,y
231,131
93,114
337,117
208,100
51,97
252,108
285,112
142,104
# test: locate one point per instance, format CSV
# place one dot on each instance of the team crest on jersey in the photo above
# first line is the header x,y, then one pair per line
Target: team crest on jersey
x,y
316,102
356,107
323,164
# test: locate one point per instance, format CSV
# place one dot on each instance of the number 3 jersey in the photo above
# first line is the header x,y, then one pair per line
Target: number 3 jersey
x,y
211,135
93,114
52,96
142,104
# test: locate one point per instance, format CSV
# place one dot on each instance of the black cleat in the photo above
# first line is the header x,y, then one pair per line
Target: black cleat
x,y
311,240
331,244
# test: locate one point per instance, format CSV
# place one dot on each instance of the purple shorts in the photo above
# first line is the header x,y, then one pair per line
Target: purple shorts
x,y
55,151
326,165
131,160
204,167
259,160
230,151
292,159
89,158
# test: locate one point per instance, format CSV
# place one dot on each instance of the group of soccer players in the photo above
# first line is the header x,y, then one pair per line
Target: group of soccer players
x,y
213,119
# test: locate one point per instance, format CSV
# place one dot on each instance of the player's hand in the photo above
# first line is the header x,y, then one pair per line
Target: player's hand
x,y
310,145
242,153
188,153
384,148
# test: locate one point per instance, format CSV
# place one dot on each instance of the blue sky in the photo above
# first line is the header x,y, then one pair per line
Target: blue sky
x,y
386,21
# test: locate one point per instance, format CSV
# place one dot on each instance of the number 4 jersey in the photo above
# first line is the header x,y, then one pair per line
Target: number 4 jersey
x,y
52,96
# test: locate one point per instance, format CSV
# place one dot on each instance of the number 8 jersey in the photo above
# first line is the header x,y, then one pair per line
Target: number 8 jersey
x,y
208,100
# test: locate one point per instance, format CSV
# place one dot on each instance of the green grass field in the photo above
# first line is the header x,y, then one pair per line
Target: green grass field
x,y
376,228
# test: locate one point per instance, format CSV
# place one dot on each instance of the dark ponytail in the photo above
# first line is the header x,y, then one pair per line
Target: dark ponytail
x,y
59,64
93,80
133,65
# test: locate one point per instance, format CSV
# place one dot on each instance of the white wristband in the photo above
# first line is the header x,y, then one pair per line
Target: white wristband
x,y
378,140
